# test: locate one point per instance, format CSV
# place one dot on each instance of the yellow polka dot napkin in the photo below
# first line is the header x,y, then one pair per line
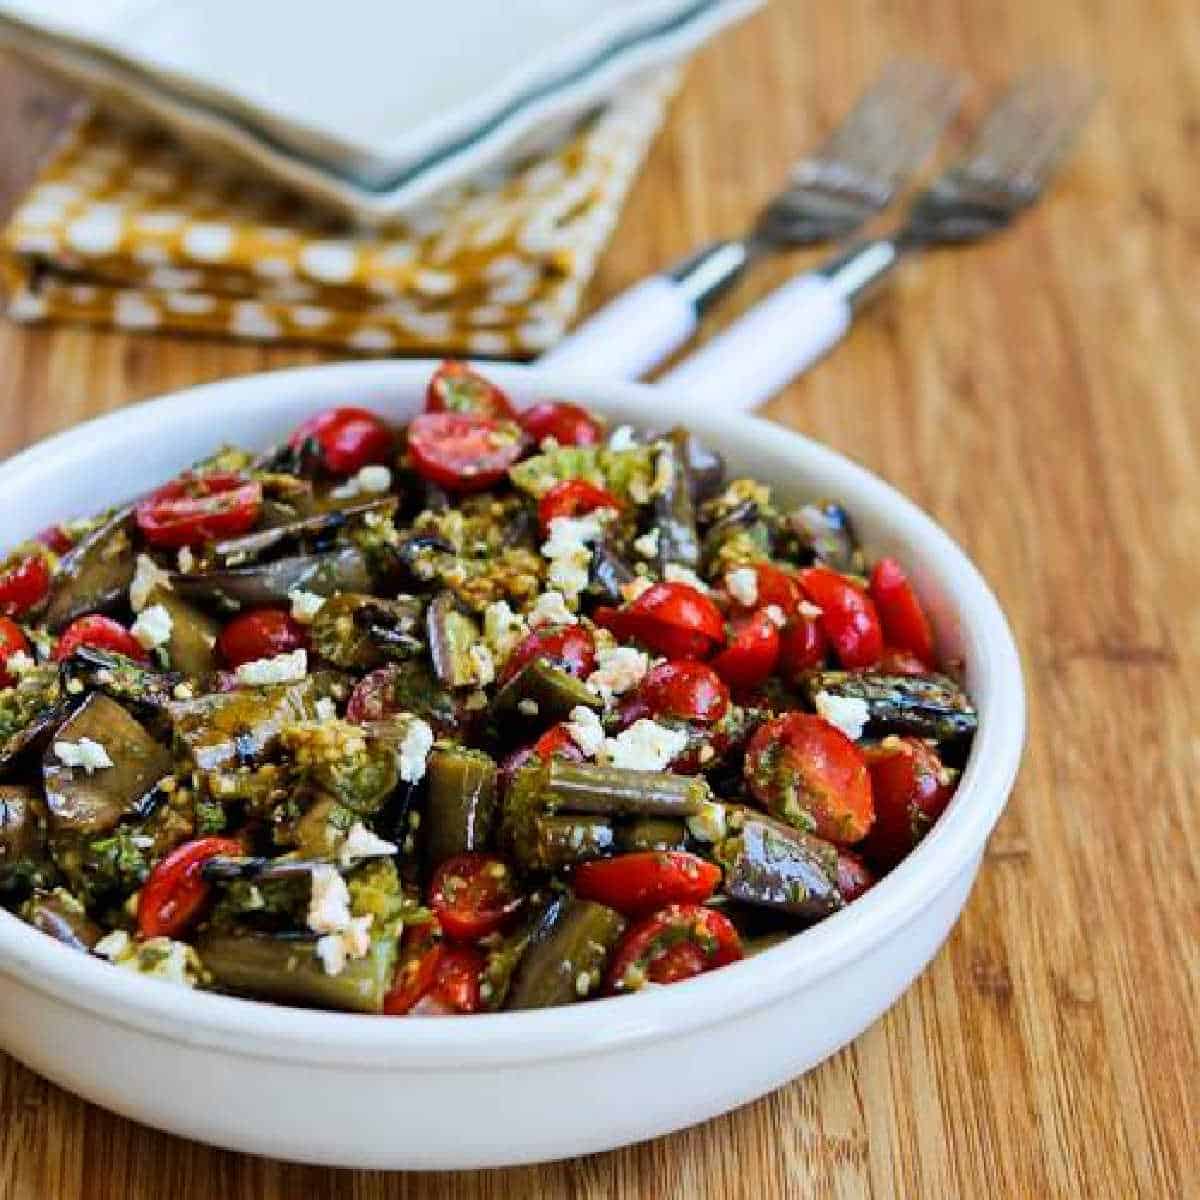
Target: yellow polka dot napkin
x,y
125,227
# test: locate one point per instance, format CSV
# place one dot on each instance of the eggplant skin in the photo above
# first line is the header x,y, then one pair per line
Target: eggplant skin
x,y
94,575
927,706
341,570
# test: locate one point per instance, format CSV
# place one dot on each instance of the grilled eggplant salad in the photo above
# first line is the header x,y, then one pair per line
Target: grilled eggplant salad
x,y
495,711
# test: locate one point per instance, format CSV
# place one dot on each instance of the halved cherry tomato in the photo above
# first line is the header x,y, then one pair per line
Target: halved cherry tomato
x,y
55,538
456,984
263,633
570,647
346,439
389,690
848,617
646,880
809,773
911,789
686,690
420,956
566,423
456,388
901,662
463,453
103,633
853,875
674,619
653,950
176,892
22,584
904,622
802,646
473,895
197,508
573,498
556,742
12,641
774,585
752,653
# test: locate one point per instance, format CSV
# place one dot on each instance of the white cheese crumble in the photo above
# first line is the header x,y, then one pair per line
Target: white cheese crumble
x,y
414,750
18,663
622,438
112,945
618,670
675,573
186,559
585,731
502,628
646,746
325,709
159,957
742,585
847,713
283,668
152,627
569,551
550,609
146,577
374,479
708,825
362,843
329,902
305,605
85,753
647,544
776,615
333,949
483,666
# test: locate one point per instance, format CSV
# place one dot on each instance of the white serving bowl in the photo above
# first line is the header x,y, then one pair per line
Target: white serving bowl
x,y
361,1091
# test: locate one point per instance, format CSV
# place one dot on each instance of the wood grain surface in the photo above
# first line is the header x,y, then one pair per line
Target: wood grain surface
x,y
1039,397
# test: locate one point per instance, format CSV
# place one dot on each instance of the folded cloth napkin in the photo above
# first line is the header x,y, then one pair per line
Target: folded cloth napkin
x,y
125,227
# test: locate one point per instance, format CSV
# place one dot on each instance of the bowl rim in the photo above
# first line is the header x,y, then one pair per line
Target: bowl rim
x,y
280,1033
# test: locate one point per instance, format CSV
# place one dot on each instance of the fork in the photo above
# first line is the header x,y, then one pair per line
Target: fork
x,y
853,175
1004,169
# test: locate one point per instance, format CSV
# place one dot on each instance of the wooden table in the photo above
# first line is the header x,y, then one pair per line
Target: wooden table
x,y
1039,397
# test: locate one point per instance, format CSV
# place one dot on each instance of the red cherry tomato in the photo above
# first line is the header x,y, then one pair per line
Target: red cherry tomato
x,y
557,742
901,662
809,773
263,633
473,895
567,424
676,943
12,641
904,622
23,584
673,619
573,498
848,617
462,453
774,585
347,439
646,880
103,633
802,646
570,647
420,956
752,652
198,508
455,388
175,893
853,875
55,538
686,690
456,984
911,789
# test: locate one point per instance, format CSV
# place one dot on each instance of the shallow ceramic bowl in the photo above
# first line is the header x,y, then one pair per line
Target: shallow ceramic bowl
x,y
362,1091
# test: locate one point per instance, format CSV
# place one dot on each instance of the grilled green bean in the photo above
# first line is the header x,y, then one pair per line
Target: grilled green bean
x,y
461,811
542,692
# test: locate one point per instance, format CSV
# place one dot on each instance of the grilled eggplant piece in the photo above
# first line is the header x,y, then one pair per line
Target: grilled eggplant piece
x,y
824,532
542,692
30,712
60,915
566,954
120,678
674,512
706,468
452,634
317,527
94,575
89,804
362,632
23,860
741,535
268,584
771,864
927,706
608,573
461,810
192,644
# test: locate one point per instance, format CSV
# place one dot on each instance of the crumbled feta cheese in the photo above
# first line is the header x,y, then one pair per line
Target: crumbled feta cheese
x,y
305,605
675,573
708,825
848,713
283,668
374,479
113,945
483,666
18,663
329,902
742,585
85,753
331,950
414,750
618,669
325,709
352,942
159,957
361,843
646,746
502,628
586,731
146,577
551,609
622,438
186,559
152,627
647,544
776,615
569,551
527,707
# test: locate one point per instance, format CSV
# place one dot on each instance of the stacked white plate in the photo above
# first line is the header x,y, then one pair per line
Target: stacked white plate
x,y
368,106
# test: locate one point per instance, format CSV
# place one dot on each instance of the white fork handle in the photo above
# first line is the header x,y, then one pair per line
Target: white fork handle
x,y
630,334
763,351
